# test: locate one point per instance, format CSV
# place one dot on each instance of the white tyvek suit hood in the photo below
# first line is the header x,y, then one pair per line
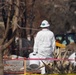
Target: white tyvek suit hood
x,y
44,43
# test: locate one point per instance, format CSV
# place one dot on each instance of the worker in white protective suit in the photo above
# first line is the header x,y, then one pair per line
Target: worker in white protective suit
x,y
44,44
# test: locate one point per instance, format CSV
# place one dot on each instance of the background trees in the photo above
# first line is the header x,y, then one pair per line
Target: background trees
x,y
23,17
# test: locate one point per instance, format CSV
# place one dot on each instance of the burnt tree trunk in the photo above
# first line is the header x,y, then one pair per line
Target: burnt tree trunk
x,y
1,64
5,44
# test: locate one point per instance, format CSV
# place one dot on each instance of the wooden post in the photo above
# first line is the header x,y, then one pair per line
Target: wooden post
x,y
24,67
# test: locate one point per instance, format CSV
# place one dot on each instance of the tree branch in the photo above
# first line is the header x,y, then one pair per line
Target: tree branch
x,y
14,23
7,25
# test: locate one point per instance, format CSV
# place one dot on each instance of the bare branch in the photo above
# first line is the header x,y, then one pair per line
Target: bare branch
x,y
2,7
7,44
15,18
14,23
8,25
26,28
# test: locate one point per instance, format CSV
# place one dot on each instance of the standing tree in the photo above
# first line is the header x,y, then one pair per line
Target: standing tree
x,y
11,23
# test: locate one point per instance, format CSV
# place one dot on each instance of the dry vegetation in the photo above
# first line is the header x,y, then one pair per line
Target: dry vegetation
x,y
63,65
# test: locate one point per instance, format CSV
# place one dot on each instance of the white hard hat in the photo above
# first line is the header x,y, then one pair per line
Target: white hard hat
x,y
44,24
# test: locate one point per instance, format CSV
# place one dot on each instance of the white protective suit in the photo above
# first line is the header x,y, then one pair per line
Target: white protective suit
x,y
44,45
73,56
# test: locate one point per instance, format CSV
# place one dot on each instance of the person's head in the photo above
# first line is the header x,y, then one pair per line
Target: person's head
x,y
44,24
